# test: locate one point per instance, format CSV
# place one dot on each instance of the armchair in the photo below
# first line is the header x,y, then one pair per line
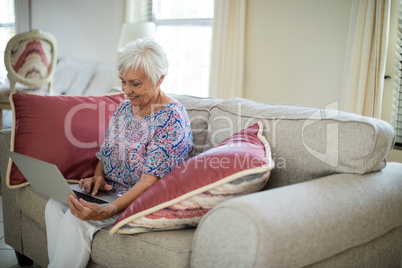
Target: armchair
x,y
30,58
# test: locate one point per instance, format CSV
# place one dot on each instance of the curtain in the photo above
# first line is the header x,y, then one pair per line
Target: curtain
x,y
22,15
227,50
366,57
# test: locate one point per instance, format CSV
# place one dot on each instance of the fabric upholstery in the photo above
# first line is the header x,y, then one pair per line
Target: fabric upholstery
x,y
32,58
176,244
323,218
155,249
307,143
32,203
343,220
383,251
239,165
34,238
11,211
67,136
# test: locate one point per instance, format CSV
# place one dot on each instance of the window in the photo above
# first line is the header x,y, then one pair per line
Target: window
x,y
397,96
185,34
7,30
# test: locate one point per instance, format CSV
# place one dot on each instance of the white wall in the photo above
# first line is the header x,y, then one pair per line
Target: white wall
x,y
295,50
87,30
295,53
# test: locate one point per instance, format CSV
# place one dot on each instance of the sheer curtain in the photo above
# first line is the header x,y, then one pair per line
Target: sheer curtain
x,y
227,55
22,15
366,57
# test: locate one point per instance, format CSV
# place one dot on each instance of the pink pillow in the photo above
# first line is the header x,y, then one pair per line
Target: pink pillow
x,y
239,165
63,130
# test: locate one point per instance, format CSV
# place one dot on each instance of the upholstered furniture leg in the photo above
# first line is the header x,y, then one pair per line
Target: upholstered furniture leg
x,y
1,120
23,260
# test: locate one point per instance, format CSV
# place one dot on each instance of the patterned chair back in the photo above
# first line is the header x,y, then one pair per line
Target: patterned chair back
x,y
30,58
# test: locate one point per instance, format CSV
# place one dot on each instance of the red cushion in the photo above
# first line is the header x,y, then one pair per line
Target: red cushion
x,y
239,165
63,130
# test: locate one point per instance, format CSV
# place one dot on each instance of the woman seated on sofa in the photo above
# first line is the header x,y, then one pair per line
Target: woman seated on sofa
x,y
148,136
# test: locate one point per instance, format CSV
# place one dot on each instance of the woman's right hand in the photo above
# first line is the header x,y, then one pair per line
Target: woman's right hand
x,y
95,184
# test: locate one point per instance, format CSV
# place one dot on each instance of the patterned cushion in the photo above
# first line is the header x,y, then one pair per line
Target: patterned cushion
x,y
239,165
32,58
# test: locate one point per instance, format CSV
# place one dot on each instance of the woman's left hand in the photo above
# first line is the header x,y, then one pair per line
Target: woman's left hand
x,y
89,211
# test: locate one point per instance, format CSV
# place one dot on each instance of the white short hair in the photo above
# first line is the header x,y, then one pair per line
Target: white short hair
x,y
146,54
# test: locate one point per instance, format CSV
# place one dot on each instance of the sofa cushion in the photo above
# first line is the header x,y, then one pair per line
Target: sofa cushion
x,y
107,250
239,165
169,249
143,249
63,130
307,143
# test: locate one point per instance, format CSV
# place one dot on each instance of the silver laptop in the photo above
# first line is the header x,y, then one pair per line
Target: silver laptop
x,y
46,178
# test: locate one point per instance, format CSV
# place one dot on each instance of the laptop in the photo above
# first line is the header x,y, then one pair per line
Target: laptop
x,y
46,178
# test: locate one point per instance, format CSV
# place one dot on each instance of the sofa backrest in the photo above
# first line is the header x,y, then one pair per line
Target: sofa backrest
x,y
306,142
198,110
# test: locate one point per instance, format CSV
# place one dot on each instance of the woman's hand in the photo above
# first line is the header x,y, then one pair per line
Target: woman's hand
x,y
89,211
95,184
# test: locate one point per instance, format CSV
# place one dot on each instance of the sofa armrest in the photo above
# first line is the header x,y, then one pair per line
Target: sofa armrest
x,y
11,212
5,139
301,224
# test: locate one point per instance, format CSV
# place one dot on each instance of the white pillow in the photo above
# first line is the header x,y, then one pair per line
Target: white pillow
x,y
102,80
72,76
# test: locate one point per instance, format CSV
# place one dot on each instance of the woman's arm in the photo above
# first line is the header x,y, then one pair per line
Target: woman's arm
x,y
127,198
91,211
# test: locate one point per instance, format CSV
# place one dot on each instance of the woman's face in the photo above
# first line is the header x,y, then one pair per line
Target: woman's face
x,y
138,88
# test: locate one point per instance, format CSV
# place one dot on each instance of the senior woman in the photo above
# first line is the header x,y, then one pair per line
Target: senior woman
x,y
148,136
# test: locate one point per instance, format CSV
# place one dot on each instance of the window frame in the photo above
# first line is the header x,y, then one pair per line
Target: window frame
x,y
8,25
183,22
397,87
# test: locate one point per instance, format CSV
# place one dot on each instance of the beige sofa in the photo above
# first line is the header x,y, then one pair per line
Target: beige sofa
x,y
331,201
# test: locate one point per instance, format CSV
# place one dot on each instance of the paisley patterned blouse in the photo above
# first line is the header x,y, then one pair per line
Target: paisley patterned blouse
x,y
154,144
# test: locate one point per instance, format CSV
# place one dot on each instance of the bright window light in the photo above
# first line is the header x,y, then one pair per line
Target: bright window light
x,y
185,34
7,30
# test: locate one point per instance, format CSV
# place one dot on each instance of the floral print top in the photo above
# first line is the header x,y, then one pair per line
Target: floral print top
x,y
154,144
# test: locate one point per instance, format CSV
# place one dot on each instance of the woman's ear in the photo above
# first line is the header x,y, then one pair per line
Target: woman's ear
x,y
160,80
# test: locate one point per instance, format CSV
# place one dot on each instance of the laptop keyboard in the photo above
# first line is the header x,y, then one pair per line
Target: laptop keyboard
x,y
89,198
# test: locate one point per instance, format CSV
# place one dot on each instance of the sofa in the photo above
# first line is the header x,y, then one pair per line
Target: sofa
x,y
332,199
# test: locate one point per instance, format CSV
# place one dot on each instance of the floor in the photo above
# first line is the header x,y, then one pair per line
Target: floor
x,y
7,255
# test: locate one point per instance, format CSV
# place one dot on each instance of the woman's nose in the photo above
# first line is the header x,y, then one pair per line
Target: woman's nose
x,y
127,90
